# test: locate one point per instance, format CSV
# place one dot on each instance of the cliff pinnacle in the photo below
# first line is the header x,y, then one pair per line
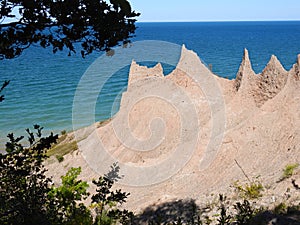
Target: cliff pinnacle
x,y
245,73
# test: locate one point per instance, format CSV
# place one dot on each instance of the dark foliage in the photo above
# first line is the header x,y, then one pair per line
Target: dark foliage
x,y
95,24
245,212
224,218
106,201
5,83
27,195
23,185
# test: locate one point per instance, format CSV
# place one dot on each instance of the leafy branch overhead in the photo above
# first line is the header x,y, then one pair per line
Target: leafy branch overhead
x,y
95,24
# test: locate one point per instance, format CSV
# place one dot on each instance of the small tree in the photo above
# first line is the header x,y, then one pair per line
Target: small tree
x,y
105,201
66,197
224,218
245,212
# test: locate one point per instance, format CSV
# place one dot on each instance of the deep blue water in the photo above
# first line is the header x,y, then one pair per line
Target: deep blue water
x,y
43,85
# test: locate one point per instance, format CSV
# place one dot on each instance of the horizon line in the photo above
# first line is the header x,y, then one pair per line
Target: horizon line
x,y
204,21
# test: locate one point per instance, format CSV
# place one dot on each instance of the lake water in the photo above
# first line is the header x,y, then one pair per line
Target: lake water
x,y
43,85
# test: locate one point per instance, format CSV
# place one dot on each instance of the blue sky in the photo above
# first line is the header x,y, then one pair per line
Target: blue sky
x,y
216,10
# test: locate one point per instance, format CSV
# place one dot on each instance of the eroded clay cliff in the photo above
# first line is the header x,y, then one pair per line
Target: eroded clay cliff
x,y
198,118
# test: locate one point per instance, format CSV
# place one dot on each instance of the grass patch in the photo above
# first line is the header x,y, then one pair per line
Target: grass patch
x,y
249,191
280,209
63,148
59,158
103,123
288,171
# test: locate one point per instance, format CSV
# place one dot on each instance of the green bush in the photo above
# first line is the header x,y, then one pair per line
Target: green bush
x,y
66,197
288,171
59,158
280,208
249,191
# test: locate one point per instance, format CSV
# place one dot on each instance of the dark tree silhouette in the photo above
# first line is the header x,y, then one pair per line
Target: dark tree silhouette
x,y
95,24
24,186
5,83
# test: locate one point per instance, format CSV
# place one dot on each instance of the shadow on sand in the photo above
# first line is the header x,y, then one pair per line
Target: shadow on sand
x,y
267,217
187,212
167,213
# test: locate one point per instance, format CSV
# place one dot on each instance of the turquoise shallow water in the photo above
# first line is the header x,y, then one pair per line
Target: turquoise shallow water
x,y
43,85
